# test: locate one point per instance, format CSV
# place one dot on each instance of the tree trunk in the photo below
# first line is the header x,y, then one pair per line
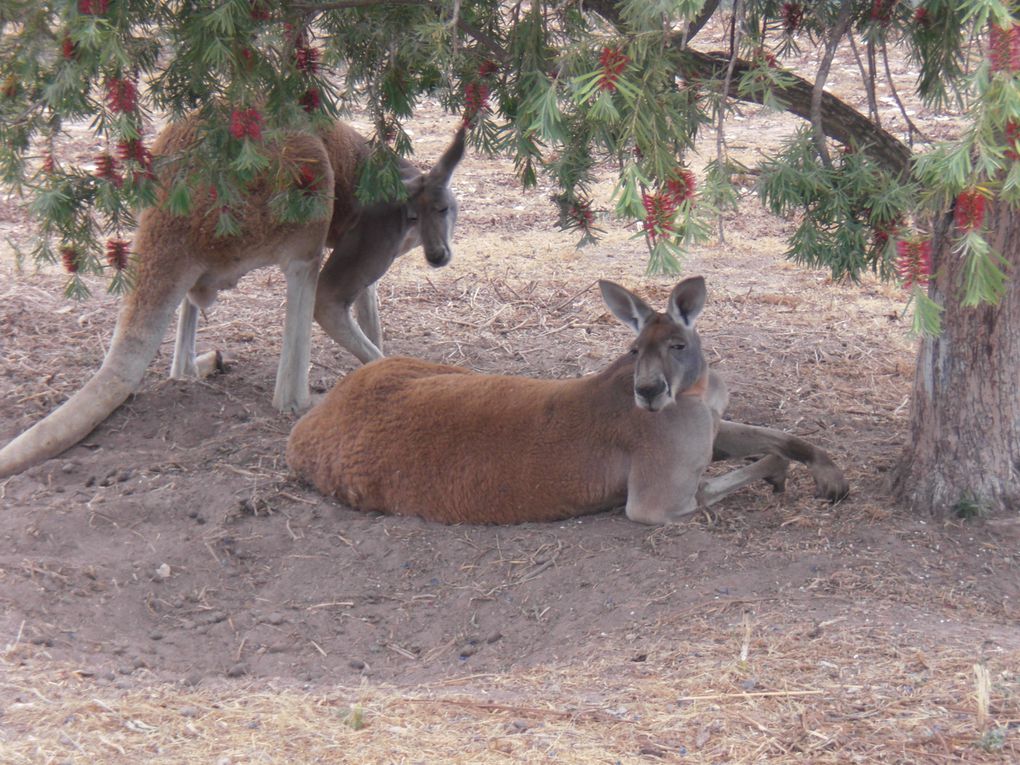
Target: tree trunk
x,y
964,449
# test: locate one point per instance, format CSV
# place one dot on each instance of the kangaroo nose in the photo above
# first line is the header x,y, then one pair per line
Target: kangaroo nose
x,y
649,391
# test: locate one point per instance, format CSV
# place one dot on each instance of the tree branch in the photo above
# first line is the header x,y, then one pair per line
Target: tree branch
x,y
840,121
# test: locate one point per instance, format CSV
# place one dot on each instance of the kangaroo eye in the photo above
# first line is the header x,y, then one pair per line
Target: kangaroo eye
x,y
677,346
633,351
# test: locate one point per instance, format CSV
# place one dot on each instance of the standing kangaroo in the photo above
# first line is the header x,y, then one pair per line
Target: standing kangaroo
x,y
411,437
182,261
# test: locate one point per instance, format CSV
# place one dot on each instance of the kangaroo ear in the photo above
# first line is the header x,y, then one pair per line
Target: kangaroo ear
x,y
625,305
447,163
687,300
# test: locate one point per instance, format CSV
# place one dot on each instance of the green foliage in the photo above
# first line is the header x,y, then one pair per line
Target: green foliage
x,y
848,209
560,88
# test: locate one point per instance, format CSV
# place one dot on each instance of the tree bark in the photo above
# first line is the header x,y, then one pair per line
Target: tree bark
x,y
964,448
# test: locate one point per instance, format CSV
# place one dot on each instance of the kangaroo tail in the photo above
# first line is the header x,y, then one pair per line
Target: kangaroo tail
x,y
141,325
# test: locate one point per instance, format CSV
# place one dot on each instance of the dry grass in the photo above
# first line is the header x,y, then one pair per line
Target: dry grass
x,y
830,695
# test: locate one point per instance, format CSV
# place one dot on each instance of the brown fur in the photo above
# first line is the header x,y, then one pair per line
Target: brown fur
x,y
180,256
411,437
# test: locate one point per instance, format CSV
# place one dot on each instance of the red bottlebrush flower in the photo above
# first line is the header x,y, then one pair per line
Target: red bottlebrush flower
x,y
106,168
246,122
93,7
306,59
11,87
1004,48
69,256
612,61
581,213
134,151
247,57
913,262
922,18
311,100
476,100
882,10
259,11
970,210
117,254
307,179
49,164
487,68
1012,136
68,48
680,187
659,209
793,16
253,120
121,95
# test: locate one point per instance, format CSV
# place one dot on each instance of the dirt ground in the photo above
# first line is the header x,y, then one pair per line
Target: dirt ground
x,y
172,554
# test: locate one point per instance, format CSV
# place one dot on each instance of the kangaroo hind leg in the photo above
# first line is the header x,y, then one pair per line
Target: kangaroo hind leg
x,y
734,441
291,393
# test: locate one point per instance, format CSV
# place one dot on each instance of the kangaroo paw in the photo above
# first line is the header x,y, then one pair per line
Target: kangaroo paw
x,y
208,364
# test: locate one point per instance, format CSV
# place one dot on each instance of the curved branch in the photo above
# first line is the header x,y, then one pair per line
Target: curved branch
x,y
839,121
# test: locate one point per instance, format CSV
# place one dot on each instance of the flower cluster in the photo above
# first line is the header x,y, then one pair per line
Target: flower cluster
x,y
93,7
922,18
681,185
117,254
883,232
307,180
1004,48
310,100
11,87
1012,136
793,17
913,262
612,62
969,212
476,100
121,95
659,210
487,68
246,122
306,58
106,168
882,10
134,150
69,256
68,48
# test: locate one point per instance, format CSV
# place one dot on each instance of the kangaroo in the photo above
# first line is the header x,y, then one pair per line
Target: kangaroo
x,y
182,261
411,437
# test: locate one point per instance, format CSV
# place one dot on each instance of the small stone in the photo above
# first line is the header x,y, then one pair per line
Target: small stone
x,y
357,664
189,711
68,467
275,619
495,637
155,635
163,572
238,670
194,679
467,650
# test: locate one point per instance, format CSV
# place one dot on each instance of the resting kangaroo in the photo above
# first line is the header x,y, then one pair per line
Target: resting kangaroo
x,y
411,437
181,260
